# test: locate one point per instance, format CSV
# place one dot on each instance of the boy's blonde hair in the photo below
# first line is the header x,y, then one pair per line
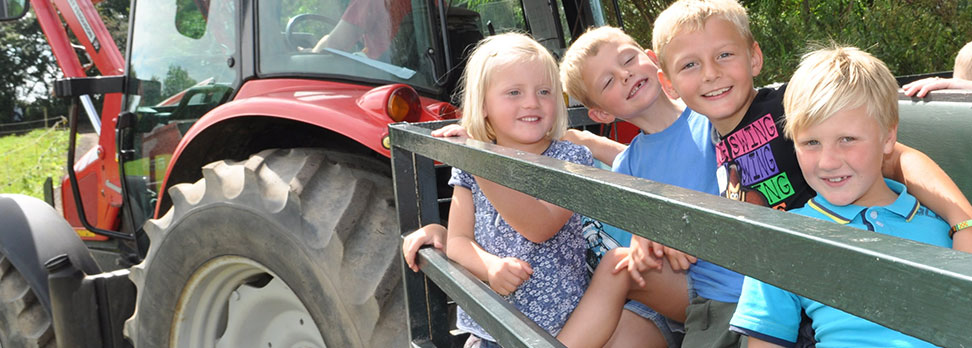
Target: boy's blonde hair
x,y
587,46
690,15
494,52
838,78
963,63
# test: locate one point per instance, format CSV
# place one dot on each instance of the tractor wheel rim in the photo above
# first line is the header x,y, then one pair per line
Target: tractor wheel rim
x,y
228,302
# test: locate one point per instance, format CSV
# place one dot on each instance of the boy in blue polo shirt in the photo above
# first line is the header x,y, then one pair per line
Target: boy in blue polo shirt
x,y
842,113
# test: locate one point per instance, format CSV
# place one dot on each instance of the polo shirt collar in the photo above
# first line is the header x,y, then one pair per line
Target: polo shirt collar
x,y
906,205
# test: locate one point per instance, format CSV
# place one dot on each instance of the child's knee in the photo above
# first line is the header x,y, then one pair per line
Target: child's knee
x,y
606,269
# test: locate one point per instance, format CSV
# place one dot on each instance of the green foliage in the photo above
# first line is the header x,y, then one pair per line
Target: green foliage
x,y
25,65
911,37
189,19
638,17
114,13
177,79
30,159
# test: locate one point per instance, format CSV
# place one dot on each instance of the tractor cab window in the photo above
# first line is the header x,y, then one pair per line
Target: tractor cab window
x,y
182,58
497,16
369,41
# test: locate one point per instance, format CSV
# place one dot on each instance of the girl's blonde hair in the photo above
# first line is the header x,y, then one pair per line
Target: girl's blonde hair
x,y
494,52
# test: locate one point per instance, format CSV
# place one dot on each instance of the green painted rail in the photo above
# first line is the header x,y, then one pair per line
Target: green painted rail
x,y
918,289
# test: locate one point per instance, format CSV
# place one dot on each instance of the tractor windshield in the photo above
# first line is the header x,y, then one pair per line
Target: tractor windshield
x,y
385,41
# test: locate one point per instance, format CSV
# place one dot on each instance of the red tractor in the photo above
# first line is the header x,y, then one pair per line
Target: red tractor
x,y
240,191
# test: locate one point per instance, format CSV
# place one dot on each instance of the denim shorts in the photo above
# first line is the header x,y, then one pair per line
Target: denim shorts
x,y
673,331
477,342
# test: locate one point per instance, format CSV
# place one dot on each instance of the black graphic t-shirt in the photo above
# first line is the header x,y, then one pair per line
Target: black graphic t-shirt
x,y
757,164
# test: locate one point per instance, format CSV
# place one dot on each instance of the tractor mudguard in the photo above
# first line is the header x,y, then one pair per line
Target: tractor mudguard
x,y
32,233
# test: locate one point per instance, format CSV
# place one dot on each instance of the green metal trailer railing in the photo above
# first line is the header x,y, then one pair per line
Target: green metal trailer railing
x,y
921,290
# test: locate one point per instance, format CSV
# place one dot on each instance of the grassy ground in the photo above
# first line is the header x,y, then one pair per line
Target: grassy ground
x,y
27,160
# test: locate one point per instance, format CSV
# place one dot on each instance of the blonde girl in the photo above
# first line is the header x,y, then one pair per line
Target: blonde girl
x,y
529,251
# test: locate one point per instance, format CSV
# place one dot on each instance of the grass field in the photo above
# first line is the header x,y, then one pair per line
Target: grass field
x,y
27,160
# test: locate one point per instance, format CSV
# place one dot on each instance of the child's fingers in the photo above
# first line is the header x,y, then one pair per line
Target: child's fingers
x,y
518,268
636,276
921,87
691,259
622,264
409,251
911,87
657,248
410,261
653,263
677,263
923,91
642,263
504,282
526,266
499,288
682,260
452,130
929,85
441,131
510,284
674,260
512,280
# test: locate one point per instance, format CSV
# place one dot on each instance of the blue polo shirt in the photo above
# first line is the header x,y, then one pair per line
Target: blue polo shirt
x,y
773,315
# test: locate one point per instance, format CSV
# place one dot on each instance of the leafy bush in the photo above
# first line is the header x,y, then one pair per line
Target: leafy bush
x,y
911,36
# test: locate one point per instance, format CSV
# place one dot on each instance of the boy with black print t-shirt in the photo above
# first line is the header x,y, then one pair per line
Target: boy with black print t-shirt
x,y
756,162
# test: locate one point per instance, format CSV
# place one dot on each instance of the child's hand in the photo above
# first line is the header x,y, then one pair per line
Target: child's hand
x,y
678,260
575,136
639,259
506,274
921,87
452,130
603,149
433,234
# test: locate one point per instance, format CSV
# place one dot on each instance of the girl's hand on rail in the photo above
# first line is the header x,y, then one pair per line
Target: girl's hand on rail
x,y
452,130
432,234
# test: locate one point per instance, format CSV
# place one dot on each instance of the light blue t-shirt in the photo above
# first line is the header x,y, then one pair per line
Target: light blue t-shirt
x,y
772,314
682,155
559,276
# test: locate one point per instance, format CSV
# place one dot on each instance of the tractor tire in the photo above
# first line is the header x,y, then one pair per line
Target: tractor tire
x,y
23,320
295,247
